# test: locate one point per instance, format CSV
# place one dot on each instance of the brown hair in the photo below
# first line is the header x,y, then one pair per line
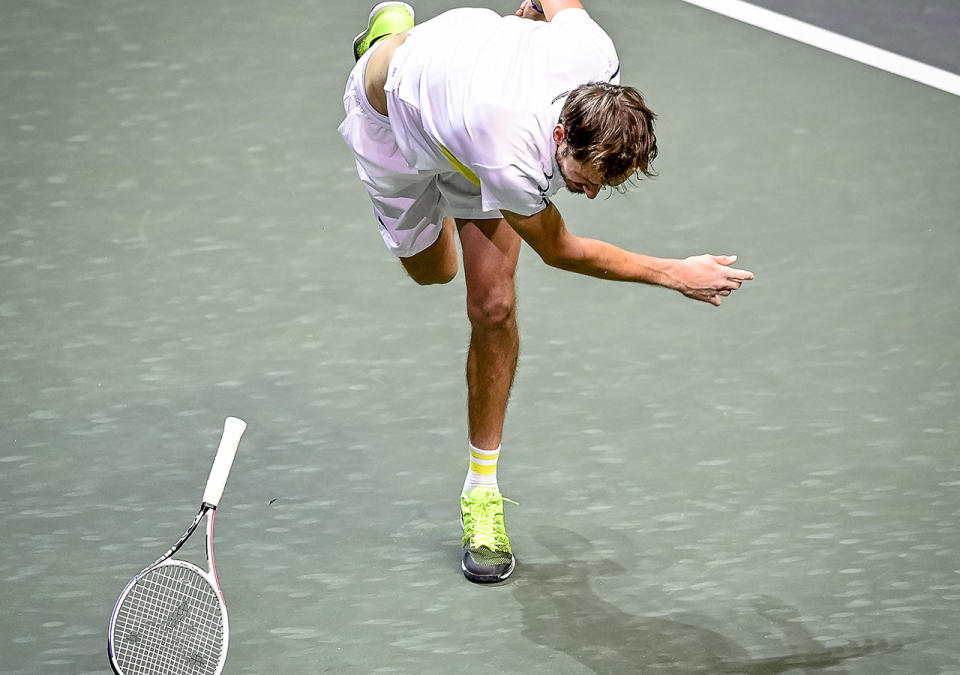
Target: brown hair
x,y
610,127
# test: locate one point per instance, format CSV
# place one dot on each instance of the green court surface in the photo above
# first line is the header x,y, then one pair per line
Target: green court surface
x,y
768,487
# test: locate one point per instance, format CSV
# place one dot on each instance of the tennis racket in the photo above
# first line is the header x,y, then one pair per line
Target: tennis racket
x,y
171,618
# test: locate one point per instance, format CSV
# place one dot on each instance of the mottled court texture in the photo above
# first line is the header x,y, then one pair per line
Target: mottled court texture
x,y
768,487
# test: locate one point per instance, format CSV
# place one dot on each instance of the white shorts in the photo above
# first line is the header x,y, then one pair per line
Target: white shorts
x,y
409,204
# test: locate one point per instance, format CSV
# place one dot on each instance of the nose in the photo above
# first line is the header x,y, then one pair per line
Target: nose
x,y
591,193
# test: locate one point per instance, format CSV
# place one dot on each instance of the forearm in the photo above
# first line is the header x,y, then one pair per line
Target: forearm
x,y
602,260
546,233
706,278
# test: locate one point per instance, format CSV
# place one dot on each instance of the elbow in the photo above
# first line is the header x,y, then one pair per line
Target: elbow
x,y
551,240
551,259
561,263
562,258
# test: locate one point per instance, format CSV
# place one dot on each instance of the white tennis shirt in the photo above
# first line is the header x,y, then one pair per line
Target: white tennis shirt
x,y
489,90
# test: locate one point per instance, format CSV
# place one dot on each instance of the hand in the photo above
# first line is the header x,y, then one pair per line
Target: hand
x,y
709,278
527,11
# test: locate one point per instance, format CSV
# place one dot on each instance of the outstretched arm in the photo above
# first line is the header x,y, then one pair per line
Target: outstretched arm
x,y
706,278
545,9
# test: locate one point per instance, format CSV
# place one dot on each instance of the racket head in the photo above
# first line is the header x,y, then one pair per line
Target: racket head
x,y
170,620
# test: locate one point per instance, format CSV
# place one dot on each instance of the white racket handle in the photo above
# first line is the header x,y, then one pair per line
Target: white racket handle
x,y
232,431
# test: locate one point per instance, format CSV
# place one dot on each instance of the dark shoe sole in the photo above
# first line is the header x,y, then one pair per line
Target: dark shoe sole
x,y
490,578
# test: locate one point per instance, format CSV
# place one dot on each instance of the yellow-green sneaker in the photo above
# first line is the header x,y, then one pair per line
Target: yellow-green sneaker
x,y
487,556
386,19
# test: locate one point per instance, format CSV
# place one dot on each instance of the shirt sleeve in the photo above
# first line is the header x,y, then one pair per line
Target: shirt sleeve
x,y
595,52
513,188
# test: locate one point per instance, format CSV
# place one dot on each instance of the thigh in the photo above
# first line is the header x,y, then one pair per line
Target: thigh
x,y
437,264
491,249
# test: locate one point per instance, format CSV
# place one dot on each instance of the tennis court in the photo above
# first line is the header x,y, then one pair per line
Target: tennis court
x,y
768,487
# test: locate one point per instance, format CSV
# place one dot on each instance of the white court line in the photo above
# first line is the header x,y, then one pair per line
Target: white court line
x,y
832,42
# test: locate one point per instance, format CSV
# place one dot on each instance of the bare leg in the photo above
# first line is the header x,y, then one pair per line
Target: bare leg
x,y
490,252
436,264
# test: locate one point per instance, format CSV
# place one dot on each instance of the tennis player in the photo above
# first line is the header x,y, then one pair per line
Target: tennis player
x,y
467,125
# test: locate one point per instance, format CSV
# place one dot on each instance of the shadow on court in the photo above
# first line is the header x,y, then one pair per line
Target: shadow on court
x,y
561,610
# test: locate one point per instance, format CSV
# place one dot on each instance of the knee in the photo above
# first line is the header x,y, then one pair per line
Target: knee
x,y
492,307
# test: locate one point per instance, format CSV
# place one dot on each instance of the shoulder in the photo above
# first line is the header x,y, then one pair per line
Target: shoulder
x,y
577,19
583,44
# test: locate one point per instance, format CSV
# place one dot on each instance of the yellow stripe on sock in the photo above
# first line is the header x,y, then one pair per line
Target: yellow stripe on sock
x,y
461,167
483,469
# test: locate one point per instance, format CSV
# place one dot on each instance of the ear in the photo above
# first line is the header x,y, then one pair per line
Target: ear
x,y
559,133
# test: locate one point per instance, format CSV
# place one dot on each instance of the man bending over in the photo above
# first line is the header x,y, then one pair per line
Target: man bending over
x,y
466,126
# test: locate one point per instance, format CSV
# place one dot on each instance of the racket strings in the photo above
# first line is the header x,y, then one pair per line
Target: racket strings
x,y
170,623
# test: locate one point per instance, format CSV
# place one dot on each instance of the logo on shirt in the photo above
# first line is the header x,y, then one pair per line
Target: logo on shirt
x,y
544,191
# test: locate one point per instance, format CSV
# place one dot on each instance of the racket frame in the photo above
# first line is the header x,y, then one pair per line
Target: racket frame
x,y
233,430
167,559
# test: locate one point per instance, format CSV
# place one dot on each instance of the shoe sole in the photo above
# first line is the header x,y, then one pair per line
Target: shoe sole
x,y
357,40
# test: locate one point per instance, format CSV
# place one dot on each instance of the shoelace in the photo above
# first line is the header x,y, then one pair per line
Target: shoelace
x,y
483,521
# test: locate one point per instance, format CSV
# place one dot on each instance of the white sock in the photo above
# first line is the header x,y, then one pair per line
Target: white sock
x,y
483,468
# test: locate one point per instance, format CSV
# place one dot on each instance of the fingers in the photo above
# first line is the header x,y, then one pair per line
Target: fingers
x,y
716,299
726,261
526,11
715,296
709,298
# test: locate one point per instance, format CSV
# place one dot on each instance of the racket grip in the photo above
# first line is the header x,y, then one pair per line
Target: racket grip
x,y
232,431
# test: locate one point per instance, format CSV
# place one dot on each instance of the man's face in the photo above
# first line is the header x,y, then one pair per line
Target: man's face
x,y
580,178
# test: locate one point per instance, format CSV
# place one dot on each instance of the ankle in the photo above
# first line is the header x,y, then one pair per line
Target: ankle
x,y
482,471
